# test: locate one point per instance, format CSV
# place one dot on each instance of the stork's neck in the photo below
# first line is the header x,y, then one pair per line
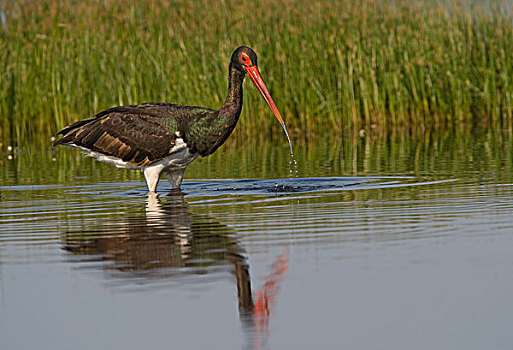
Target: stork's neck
x,y
216,130
233,104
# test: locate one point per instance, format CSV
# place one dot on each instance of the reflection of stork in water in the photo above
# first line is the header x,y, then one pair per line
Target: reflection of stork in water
x,y
158,243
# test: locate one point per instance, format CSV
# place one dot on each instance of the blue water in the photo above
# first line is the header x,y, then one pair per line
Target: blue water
x,y
416,256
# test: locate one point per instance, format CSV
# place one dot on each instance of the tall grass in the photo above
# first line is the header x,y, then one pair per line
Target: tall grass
x,y
329,64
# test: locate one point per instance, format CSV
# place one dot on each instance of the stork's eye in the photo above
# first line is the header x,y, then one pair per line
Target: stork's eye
x,y
245,59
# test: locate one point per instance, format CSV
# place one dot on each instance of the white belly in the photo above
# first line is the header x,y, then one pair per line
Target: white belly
x,y
179,156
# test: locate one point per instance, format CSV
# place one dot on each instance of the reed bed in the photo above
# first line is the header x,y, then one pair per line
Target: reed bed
x,y
330,65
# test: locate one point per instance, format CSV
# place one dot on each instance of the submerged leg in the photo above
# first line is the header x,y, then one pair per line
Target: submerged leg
x,y
175,177
152,175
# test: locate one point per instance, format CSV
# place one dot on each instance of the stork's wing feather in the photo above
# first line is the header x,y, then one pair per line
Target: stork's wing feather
x,y
129,133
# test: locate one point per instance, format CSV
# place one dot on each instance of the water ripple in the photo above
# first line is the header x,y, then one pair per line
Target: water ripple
x,y
319,211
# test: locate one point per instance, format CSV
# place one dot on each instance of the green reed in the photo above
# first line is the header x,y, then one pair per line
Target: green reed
x,y
339,65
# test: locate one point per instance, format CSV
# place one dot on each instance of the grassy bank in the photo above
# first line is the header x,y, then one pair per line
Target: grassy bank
x,y
329,65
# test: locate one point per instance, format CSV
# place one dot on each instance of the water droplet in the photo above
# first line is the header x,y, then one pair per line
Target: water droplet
x,y
288,138
295,171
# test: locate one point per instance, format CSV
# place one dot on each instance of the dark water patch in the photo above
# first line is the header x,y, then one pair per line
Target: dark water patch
x,y
301,185
266,186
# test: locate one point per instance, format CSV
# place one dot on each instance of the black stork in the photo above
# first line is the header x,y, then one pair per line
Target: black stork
x,y
157,137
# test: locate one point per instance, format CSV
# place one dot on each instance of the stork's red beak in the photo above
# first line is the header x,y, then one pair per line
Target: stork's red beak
x,y
256,78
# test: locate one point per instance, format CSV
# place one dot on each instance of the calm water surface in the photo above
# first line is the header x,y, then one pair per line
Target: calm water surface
x,y
381,242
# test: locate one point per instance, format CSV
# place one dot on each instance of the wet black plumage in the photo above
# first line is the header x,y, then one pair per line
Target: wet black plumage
x,y
144,135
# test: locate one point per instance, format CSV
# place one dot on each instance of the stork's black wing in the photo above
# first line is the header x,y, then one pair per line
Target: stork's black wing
x,y
131,133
